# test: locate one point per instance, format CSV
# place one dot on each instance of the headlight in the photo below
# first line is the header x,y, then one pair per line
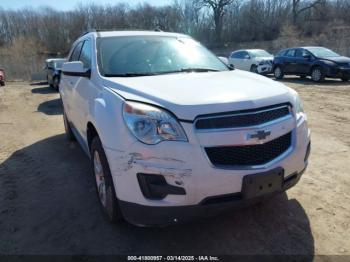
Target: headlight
x,y
264,62
150,124
330,63
298,105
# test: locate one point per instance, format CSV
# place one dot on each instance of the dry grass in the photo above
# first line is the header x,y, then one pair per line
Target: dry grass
x,y
21,59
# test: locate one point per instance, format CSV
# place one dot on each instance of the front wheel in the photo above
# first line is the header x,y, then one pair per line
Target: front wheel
x,y
55,83
278,72
317,74
345,79
104,182
254,69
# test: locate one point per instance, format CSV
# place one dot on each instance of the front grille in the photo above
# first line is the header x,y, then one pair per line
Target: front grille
x,y
249,155
244,118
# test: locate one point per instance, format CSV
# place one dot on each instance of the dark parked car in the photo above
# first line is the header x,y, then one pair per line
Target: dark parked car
x,y
53,71
317,62
2,77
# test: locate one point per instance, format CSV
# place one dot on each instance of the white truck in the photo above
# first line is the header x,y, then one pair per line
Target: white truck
x,y
173,133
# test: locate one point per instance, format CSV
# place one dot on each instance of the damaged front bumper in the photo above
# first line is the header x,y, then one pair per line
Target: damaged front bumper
x,y
142,215
189,185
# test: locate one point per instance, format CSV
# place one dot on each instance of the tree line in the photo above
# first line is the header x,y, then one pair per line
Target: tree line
x,y
217,23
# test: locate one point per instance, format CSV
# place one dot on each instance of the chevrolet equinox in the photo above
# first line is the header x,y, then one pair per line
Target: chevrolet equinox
x,y
173,133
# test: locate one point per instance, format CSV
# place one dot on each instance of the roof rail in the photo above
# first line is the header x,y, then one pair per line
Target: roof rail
x,y
89,31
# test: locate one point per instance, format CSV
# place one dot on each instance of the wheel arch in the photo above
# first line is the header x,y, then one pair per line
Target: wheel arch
x,y
91,132
316,65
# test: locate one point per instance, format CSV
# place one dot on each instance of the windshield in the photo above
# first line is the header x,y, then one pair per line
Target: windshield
x,y
150,55
322,52
260,53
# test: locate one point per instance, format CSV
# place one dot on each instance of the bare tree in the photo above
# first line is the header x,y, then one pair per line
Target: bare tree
x,y
218,7
297,9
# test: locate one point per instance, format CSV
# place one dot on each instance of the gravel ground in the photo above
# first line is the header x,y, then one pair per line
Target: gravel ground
x,y
48,204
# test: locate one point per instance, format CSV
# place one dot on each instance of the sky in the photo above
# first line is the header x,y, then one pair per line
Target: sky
x,y
71,4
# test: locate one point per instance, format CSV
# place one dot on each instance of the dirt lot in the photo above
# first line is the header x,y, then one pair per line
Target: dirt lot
x,y
48,204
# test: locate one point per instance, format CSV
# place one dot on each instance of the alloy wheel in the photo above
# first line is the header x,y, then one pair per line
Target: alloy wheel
x,y
278,72
100,179
316,74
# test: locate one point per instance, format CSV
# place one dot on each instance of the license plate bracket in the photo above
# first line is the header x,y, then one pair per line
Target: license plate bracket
x,y
264,183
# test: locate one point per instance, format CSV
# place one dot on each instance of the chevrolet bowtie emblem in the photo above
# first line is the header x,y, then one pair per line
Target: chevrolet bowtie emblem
x,y
259,135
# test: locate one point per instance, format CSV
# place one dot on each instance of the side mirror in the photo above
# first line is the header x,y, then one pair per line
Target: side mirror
x,y
307,57
223,59
247,57
75,68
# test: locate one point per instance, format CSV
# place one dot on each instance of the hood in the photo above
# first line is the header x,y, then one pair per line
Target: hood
x,y
188,95
337,59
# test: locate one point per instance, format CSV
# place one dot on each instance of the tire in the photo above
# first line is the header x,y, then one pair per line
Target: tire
x,y
69,133
345,79
55,83
2,83
317,74
104,182
278,72
254,69
303,76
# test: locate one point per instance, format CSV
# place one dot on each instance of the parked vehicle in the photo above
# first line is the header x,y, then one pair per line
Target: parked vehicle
x,y
314,61
253,60
172,132
53,71
2,77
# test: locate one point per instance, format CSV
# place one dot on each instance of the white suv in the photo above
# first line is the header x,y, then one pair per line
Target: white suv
x,y
173,133
253,60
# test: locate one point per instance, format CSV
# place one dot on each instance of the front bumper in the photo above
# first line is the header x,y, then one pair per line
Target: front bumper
x,y
141,215
185,165
265,69
336,72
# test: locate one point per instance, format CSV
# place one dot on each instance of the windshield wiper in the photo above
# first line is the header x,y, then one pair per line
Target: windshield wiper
x,y
186,70
198,70
182,70
189,70
129,74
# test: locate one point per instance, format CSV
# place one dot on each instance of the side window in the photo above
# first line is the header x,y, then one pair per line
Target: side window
x,y
290,53
238,55
299,53
76,52
85,55
235,55
282,53
245,55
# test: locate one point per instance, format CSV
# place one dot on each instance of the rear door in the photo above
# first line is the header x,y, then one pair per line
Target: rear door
x,y
236,59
